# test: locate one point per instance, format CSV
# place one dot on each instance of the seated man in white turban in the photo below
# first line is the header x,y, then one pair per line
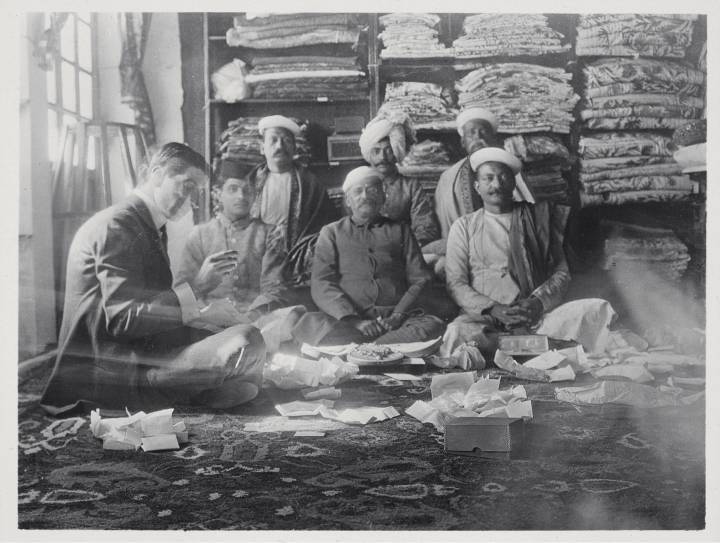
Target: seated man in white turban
x,y
454,194
383,144
288,195
505,262
369,277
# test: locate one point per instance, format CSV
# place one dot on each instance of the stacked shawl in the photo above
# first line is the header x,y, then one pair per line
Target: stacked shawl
x,y
630,35
293,30
303,77
545,158
242,143
494,34
523,97
411,35
624,167
425,162
638,250
428,105
634,94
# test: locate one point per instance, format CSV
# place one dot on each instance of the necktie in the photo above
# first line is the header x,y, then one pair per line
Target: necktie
x,y
163,237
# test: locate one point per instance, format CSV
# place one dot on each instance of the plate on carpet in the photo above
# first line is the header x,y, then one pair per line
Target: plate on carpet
x,y
374,355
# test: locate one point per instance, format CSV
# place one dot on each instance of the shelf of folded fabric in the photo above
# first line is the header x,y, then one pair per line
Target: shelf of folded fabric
x,y
551,60
317,100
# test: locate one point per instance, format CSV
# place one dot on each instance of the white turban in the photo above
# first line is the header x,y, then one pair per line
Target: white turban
x,y
393,125
476,113
495,154
278,121
356,176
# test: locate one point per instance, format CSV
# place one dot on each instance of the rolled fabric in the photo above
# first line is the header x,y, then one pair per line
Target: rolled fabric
x,y
278,121
495,154
356,176
476,113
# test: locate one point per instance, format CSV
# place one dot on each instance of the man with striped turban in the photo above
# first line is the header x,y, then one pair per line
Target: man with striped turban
x,y
383,144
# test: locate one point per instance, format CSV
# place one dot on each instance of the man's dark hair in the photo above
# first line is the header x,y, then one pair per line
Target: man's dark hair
x,y
177,157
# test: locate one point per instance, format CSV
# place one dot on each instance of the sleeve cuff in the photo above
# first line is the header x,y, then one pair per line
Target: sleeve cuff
x,y
539,295
189,306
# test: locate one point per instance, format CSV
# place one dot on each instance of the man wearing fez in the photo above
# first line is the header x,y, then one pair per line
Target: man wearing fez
x,y
128,337
384,143
238,259
455,194
505,262
368,276
288,195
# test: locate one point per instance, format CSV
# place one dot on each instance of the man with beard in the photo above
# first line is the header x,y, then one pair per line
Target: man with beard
x,y
128,338
505,262
237,259
383,144
288,195
369,277
454,194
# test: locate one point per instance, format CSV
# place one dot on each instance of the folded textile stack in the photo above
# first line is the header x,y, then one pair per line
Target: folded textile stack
x,y
631,35
633,248
411,35
524,97
493,34
241,142
428,105
625,167
426,159
279,31
307,77
544,157
641,94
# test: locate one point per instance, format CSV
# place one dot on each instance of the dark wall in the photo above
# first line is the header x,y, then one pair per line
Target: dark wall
x,y
193,79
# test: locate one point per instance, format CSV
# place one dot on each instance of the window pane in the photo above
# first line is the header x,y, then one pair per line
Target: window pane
x,y
52,135
84,16
51,86
67,39
84,46
86,95
91,153
69,120
68,86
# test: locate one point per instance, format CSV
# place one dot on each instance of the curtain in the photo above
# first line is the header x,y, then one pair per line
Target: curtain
x,y
134,29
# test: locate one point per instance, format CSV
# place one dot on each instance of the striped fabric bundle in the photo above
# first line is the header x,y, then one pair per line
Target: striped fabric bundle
x,y
411,35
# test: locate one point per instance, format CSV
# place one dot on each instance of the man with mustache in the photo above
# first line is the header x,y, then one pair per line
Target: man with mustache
x,y
505,262
383,144
288,195
236,259
369,277
128,337
454,194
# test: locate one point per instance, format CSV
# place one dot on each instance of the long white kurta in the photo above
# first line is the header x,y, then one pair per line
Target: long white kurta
x,y
275,198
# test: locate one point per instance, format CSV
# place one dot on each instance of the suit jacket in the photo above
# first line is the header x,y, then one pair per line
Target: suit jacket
x,y
120,314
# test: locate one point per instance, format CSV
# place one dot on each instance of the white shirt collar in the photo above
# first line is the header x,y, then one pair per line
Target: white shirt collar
x,y
157,216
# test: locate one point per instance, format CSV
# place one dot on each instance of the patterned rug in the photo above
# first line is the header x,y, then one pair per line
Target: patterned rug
x,y
605,467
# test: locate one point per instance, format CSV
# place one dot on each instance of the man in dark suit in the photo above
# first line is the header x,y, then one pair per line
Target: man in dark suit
x,y
128,338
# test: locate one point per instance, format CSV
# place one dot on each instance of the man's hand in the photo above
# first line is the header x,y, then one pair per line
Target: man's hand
x,y
531,308
219,314
369,328
394,321
213,269
509,316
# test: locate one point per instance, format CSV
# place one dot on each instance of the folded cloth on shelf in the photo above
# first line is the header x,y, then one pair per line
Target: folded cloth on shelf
x,y
532,148
276,32
411,35
236,38
523,97
667,168
634,35
494,34
643,110
589,165
634,123
630,100
424,103
638,197
644,74
623,144
680,183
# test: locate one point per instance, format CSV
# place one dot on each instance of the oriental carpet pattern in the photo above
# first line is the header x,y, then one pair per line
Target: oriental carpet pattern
x,y
599,467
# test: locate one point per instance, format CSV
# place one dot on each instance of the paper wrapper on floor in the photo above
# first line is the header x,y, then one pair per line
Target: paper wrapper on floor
x,y
293,372
627,393
459,395
152,431
585,321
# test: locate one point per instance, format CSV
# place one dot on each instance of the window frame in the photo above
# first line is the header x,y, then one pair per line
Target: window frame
x,y
57,106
